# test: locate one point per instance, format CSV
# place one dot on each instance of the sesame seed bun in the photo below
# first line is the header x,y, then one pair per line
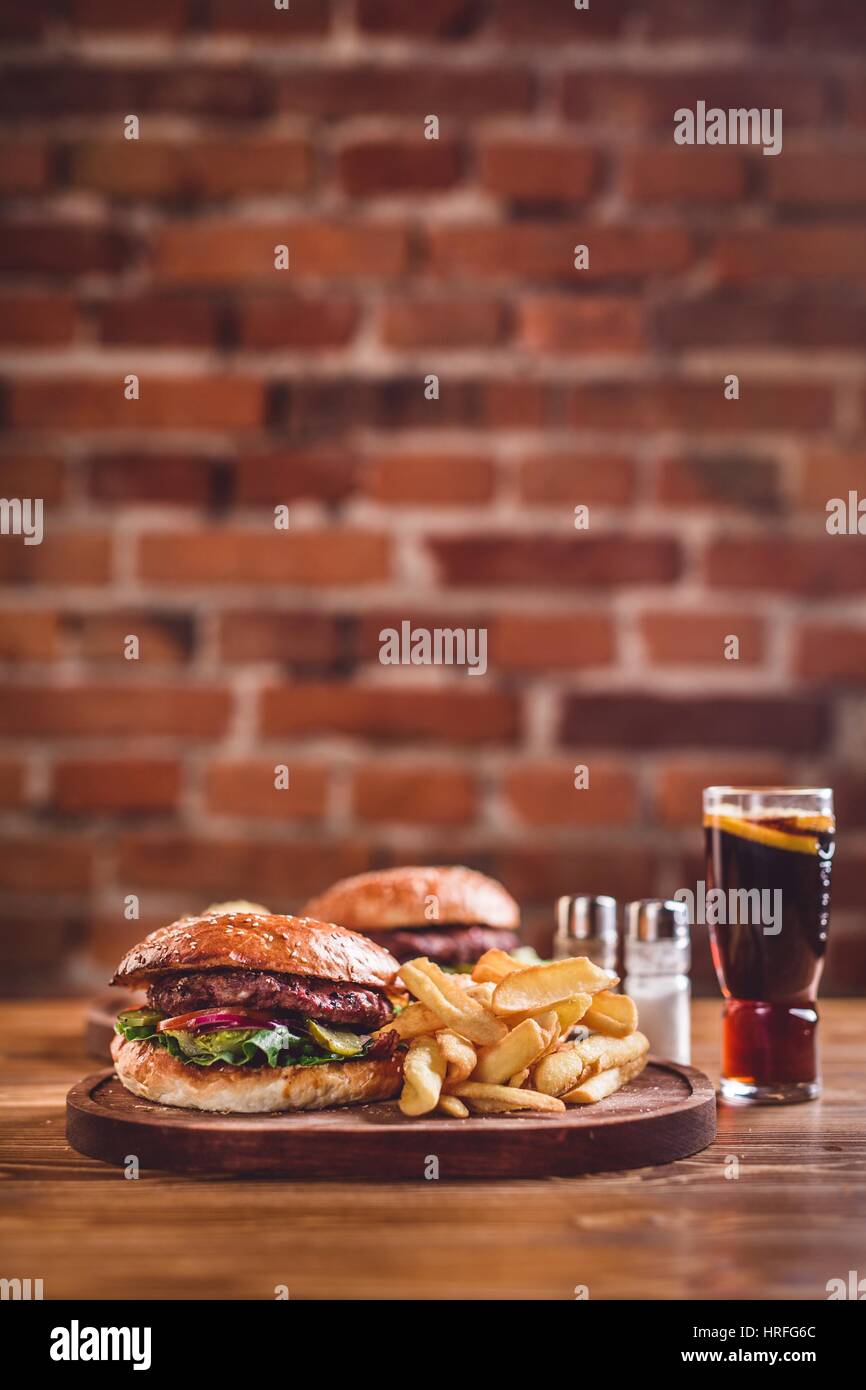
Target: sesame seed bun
x,y
239,940
416,896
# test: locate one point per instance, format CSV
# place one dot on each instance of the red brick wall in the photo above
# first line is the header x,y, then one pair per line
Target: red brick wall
x,y
306,388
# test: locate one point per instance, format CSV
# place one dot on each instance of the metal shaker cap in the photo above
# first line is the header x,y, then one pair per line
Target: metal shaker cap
x,y
657,919
583,917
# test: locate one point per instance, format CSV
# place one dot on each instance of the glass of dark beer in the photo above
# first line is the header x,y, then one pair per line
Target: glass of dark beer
x,y
769,851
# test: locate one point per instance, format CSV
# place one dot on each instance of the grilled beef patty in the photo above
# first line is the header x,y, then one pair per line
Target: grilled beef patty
x,y
323,1000
452,945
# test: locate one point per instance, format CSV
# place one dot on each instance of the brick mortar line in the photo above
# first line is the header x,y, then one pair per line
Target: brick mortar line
x,y
626,55
370,361
420,521
352,366
555,602
598,135
682,842
470,205
245,731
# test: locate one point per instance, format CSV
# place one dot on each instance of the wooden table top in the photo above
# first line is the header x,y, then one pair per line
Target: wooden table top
x,y
791,1220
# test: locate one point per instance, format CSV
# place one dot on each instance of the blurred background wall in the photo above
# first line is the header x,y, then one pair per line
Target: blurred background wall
x,y
306,388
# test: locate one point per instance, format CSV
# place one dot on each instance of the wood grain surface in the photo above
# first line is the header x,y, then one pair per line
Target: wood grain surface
x,y
666,1113
792,1219
99,1016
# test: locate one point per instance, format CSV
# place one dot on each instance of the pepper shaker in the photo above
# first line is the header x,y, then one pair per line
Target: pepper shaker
x,y
586,926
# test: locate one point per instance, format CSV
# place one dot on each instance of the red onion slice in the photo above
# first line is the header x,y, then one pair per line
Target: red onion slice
x,y
213,1019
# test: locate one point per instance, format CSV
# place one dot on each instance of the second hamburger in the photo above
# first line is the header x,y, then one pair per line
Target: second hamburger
x,y
451,915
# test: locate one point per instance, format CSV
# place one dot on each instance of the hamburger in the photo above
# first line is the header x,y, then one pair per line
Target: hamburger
x,y
450,915
248,1012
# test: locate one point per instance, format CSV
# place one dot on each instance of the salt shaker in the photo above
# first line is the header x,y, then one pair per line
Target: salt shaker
x,y
586,926
657,961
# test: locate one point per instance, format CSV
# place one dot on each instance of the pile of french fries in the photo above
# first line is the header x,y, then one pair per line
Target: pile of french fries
x,y
498,1040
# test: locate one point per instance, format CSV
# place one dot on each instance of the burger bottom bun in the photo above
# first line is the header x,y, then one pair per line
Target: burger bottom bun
x,y
152,1073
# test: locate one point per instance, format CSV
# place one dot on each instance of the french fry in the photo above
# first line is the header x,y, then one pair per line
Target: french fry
x,y
423,1074
453,1106
619,1052
492,1042
412,1022
505,1107
615,1015
561,1071
494,965
544,986
452,1005
569,1012
595,1088
496,1100
460,1055
572,1011
604,1083
464,981
551,1027
575,1062
484,994
517,1050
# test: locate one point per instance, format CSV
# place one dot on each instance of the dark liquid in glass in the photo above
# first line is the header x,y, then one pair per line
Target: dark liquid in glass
x,y
770,981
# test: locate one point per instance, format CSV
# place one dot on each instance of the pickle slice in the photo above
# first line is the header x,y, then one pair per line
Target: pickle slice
x,y
137,1023
338,1040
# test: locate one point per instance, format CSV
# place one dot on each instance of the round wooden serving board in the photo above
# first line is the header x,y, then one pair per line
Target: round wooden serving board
x,y
668,1112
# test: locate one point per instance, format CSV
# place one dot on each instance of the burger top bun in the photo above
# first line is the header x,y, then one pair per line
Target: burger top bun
x,y
248,941
417,897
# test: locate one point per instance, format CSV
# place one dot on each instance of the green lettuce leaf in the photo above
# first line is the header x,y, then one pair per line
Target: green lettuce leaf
x,y
276,1046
